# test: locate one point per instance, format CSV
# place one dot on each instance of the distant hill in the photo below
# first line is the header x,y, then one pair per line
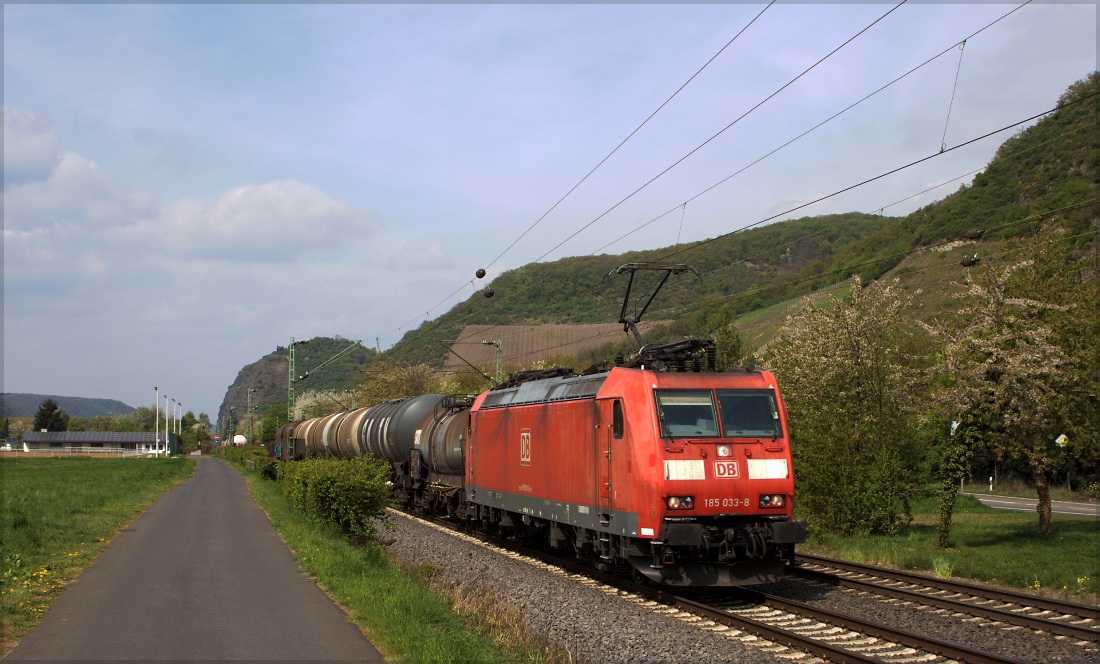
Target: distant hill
x,y
17,404
756,277
268,376
1052,167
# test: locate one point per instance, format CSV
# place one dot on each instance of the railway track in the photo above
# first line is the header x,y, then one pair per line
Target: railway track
x,y
787,628
1076,621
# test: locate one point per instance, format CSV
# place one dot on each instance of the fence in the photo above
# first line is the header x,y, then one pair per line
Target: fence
x,y
77,451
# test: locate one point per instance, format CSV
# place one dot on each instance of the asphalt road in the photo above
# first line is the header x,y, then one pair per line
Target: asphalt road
x,y
201,574
1031,504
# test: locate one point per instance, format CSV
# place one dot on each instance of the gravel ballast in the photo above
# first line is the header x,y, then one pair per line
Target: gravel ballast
x,y
597,624
590,623
1005,640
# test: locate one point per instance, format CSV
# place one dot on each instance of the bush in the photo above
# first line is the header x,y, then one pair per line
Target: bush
x,y
255,453
346,493
851,377
269,470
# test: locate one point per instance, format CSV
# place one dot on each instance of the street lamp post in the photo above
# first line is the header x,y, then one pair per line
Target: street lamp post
x,y
156,402
165,426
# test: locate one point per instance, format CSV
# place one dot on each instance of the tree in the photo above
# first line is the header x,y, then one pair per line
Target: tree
x,y
50,417
849,382
316,403
188,420
385,382
1004,365
728,343
956,455
275,418
4,428
144,419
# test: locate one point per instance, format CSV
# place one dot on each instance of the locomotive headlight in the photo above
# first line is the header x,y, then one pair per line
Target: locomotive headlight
x,y
772,500
680,502
724,451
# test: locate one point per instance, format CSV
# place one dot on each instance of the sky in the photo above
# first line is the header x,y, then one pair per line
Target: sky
x,y
186,187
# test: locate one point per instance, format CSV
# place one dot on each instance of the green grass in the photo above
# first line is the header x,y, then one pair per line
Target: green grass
x,y
58,514
398,609
988,545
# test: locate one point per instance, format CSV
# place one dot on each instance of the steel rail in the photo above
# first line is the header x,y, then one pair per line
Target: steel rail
x,y
787,638
912,639
1008,597
959,606
791,640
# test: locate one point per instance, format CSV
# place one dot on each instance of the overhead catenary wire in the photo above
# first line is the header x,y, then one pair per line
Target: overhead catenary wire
x,y
683,212
879,177
629,136
947,50
1011,155
943,140
848,269
587,175
471,313
720,132
942,184
879,259
815,127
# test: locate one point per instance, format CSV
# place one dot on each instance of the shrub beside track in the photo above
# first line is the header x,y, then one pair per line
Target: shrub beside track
x,y
396,608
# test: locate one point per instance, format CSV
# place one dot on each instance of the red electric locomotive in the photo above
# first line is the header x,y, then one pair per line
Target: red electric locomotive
x,y
661,464
686,477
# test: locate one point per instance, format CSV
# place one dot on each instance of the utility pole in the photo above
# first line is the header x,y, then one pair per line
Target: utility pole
x,y
156,391
250,430
499,354
290,381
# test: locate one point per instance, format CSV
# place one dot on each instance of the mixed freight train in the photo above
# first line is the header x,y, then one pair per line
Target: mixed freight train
x,y
659,464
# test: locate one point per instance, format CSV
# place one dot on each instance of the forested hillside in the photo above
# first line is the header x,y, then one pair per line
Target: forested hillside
x,y
1050,167
268,376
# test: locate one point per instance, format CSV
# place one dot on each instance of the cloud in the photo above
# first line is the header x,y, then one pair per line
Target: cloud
x,y
76,192
30,146
421,254
267,222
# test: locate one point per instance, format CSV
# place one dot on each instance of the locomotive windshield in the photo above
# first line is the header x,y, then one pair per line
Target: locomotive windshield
x,y
749,413
686,413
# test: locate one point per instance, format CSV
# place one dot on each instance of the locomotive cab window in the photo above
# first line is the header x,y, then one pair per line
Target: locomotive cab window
x,y
749,414
617,419
686,413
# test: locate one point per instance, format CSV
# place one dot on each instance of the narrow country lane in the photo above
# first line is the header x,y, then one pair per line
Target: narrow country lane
x,y
1031,504
201,574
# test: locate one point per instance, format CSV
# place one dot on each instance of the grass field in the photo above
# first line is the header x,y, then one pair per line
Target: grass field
x,y
988,545
404,618
58,514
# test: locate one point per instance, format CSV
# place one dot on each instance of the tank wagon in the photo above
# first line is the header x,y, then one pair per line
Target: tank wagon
x,y
682,476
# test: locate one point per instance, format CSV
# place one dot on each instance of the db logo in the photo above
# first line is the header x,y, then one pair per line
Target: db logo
x,y
525,446
725,470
